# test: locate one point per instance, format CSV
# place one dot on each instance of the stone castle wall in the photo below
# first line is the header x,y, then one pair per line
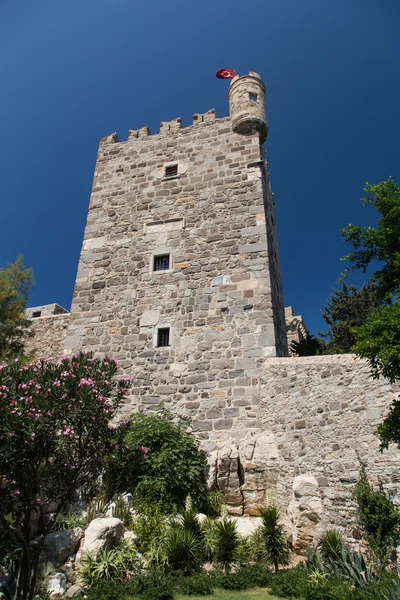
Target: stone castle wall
x,y
49,334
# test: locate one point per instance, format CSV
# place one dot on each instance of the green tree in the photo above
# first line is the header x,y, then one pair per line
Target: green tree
x,y
378,517
378,246
54,437
378,339
345,310
174,468
15,285
310,346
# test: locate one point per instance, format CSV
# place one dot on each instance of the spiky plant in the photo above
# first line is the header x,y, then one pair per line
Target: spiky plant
x,y
331,544
226,543
393,593
183,550
189,521
209,537
276,543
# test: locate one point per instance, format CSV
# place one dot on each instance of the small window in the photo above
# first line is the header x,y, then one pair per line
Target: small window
x,y
253,97
171,171
161,263
36,313
163,337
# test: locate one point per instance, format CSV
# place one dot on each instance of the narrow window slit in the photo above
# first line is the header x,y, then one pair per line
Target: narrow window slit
x,y
163,337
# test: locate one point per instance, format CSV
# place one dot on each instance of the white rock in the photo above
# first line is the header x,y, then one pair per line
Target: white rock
x,y
247,525
57,585
102,533
130,537
305,485
58,545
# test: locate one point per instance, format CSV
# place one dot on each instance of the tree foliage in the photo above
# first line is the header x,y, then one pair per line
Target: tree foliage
x,y
345,310
378,246
310,346
175,466
379,518
15,285
54,437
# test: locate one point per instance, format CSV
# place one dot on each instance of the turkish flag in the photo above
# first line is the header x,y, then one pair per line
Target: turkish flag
x,y
225,74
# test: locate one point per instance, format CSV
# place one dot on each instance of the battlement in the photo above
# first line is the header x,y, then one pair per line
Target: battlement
x,y
173,128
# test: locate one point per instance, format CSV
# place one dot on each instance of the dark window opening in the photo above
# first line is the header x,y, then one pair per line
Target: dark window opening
x,y
253,97
163,337
36,313
171,171
161,263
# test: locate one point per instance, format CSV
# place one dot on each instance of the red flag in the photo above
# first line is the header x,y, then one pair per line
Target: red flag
x,y
225,74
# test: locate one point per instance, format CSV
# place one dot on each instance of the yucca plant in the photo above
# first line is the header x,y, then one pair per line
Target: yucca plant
x,y
209,537
276,543
119,563
331,544
189,521
183,550
226,543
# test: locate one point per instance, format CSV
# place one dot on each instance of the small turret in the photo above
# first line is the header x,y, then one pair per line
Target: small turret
x,y
247,105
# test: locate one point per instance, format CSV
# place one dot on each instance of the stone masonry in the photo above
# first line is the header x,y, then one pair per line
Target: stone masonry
x,y
179,279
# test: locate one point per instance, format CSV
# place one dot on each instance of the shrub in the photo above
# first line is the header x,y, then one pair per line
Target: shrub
x,y
108,590
226,543
329,590
54,438
352,567
209,537
257,551
68,521
155,586
196,585
379,518
289,583
276,543
215,503
174,466
250,576
149,526
121,511
119,563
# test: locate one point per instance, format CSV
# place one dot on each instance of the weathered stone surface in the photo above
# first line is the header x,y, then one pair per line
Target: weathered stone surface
x,y
58,545
74,590
57,585
102,533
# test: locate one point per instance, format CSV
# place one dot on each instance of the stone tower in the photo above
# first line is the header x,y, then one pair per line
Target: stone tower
x,y
179,271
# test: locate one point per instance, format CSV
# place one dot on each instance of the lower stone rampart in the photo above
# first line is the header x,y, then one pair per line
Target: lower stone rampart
x,y
313,420
318,417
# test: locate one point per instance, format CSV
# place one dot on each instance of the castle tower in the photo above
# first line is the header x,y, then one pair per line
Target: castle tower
x,y
179,272
247,105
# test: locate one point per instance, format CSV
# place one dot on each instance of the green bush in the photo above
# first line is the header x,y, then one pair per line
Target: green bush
x,y
155,586
215,504
68,521
247,577
200,584
292,582
119,563
121,511
149,526
257,551
173,465
209,537
379,518
109,590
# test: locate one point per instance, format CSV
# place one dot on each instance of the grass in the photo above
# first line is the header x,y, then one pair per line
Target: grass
x,y
253,594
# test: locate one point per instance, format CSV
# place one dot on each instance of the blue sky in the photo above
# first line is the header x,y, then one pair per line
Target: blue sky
x,y
72,72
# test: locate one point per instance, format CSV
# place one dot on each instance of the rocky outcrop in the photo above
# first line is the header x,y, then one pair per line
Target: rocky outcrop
x,y
102,534
58,545
305,513
246,472
57,585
